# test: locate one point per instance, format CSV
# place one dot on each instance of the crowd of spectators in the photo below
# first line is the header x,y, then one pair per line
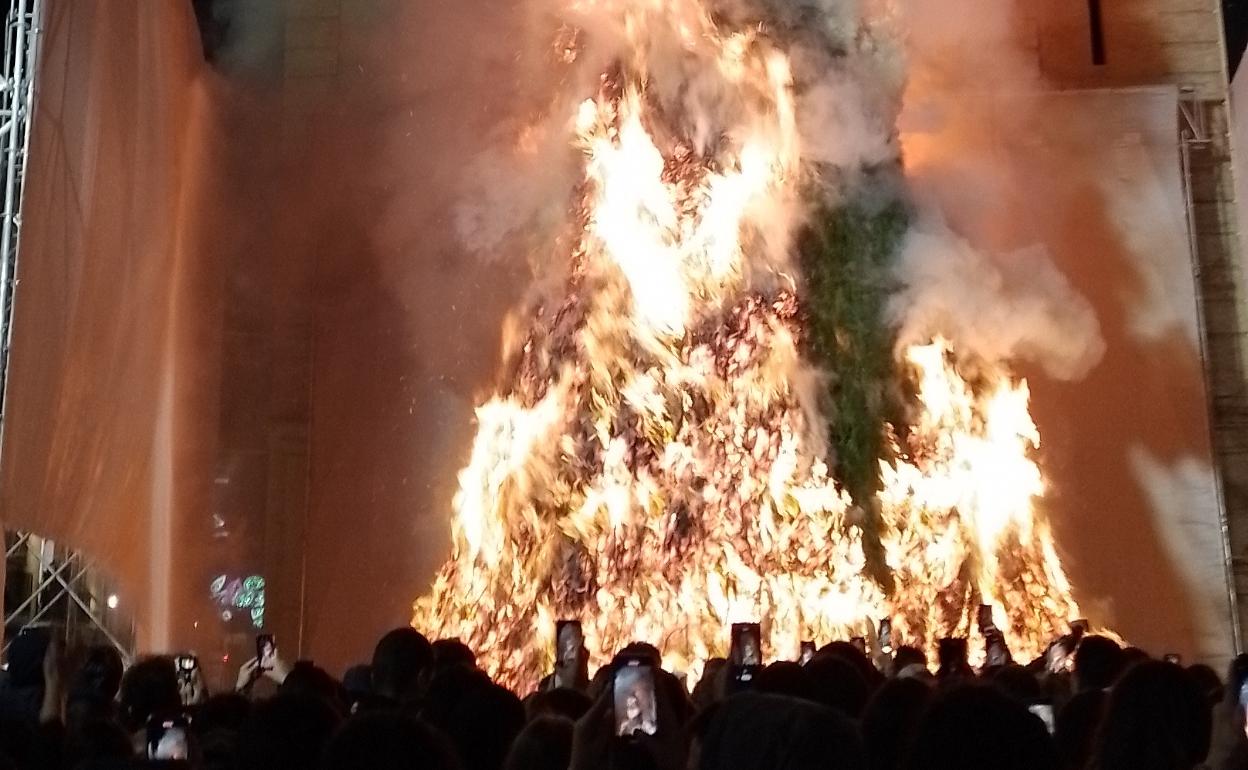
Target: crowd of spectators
x,y
423,705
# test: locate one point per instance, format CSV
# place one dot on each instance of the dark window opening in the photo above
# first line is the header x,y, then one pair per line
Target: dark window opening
x,y
1097,24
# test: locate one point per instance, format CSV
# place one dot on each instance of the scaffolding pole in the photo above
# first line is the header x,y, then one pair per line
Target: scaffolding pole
x,y
17,95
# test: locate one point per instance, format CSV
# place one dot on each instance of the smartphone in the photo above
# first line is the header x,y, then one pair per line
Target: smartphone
x,y
636,710
808,653
168,738
997,652
1173,657
886,635
747,645
1079,627
186,665
569,639
1045,712
745,656
266,650
983,619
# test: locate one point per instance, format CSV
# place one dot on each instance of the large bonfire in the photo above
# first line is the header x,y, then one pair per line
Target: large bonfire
x,y
669,450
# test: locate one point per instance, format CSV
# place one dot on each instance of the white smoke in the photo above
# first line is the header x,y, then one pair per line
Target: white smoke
x,y
1020,307
850,66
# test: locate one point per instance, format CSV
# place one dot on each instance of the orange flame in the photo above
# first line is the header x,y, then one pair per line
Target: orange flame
x,y
656,464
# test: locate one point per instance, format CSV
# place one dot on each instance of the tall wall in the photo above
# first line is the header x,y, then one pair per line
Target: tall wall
x,y
1180,43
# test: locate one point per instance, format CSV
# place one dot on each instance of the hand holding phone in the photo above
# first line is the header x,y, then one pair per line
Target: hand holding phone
x,y
266,651
633,695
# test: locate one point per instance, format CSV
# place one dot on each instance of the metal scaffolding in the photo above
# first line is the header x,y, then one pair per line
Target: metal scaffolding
x,y
61,589
17,95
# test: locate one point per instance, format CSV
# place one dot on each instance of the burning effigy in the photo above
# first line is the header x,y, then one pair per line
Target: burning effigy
x,y
714,415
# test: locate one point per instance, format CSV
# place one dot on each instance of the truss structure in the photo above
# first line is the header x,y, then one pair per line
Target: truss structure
x,y
17,94
59,588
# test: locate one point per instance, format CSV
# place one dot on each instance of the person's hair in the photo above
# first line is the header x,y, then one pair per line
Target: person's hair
x,y
1077,724
305,678
479,717
755,731
707,690
836,683
906,656
786,678
971,726
560,701
544,744
951,653
226,711
1016,682
99,676
149,687
453,652
855,657
286,731
1207,680
388,740
1156,719
1098,662
25,657
891,720
399,661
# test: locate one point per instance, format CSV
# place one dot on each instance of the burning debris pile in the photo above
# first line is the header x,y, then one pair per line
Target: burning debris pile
x,y
712,419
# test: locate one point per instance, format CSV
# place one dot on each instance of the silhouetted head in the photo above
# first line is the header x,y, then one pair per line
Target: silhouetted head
x,y
544,744
99,677
560,701
1098,663
786,678
891,720
286,731
479,717
1236,676
1077,724
452,652
1156,719
855,657
400,662
227,711
971,726
1207,680
836,683
952,656
1016,682
755,731
905,657
643,649
388,740
1133,655
149,687
307,679
25,657
708,689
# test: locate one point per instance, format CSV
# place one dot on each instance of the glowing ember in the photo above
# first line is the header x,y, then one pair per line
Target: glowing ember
x,y
657,464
